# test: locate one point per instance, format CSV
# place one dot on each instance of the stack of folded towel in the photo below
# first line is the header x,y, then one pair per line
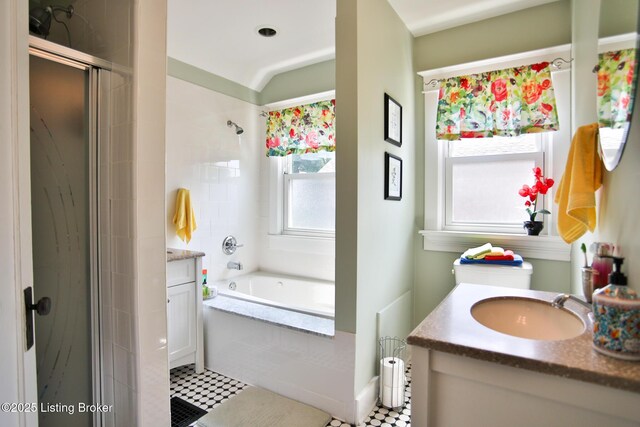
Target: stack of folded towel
x,y
488,254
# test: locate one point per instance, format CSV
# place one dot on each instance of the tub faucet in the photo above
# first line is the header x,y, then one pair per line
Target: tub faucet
x,y
559,301
234,265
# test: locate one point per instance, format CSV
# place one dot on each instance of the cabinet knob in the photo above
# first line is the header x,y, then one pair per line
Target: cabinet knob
x,y
168,300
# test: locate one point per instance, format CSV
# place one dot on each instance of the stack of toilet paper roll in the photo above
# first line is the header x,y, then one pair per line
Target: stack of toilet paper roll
x,y
392,382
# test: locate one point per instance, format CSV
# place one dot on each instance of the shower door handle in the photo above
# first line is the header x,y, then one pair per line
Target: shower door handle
x,y
42,307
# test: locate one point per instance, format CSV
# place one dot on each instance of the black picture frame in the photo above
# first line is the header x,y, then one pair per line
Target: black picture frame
x,y
392,177
392,121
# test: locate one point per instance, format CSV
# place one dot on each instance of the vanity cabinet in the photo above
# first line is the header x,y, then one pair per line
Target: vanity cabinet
x,y
466,374
184,312
181,318
452,390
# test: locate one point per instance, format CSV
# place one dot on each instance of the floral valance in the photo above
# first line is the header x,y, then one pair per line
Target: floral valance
x,y
302,129
615,87
505,102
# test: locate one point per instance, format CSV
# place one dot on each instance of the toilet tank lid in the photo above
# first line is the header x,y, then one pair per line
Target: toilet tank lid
x,y
525,268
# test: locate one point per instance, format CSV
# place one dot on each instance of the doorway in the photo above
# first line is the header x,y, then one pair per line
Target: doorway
x,y
64,138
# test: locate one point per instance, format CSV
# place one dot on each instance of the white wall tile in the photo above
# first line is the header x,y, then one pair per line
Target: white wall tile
x,y
108,398
107,362
149,113
123,292
312,369
221,172
155,391
125,404
123,330
124,367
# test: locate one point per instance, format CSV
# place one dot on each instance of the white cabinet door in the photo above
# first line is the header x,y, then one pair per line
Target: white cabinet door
x,y
181,320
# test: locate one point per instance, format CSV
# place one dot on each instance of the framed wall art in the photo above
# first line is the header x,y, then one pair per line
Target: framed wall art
x,y
392,177
392,121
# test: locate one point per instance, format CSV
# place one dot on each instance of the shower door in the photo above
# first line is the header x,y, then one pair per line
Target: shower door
x,y
63,217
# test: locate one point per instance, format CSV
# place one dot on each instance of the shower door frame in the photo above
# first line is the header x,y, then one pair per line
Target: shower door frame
x,y
97,99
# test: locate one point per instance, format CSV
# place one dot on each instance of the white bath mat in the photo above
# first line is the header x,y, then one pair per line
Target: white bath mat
x,y
259,407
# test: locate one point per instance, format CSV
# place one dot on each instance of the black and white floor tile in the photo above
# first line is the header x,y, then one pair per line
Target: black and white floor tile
x,y
209,389
206,390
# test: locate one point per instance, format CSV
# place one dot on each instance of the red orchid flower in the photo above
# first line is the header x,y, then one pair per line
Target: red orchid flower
x,y
541,186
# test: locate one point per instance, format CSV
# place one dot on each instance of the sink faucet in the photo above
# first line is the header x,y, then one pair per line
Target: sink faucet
x,y
234,265
559,301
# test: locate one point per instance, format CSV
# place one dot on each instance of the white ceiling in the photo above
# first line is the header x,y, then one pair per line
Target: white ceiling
x,y
220,36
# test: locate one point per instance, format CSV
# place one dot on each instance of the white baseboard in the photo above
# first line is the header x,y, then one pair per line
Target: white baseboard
x,y
366,400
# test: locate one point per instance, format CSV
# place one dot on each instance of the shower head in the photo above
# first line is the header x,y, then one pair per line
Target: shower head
x,y
40,18
239,130
40,21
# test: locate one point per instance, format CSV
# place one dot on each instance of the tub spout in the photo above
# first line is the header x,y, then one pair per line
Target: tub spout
x,y
234,265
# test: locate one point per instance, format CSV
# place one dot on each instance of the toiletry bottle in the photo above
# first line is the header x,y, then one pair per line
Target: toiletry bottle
x,y
602,263
616,310
205,288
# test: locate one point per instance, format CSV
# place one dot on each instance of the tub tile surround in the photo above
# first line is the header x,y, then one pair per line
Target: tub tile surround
x,y
451,329
312,369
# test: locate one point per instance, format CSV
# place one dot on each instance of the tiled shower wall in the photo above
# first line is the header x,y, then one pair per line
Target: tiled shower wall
x,y
228,177
219,168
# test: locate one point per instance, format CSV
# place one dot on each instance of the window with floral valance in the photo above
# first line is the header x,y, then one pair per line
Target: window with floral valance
x,y
615,86
303,129
506,102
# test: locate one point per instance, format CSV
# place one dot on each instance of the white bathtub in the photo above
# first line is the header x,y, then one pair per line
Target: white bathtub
x,y
299,294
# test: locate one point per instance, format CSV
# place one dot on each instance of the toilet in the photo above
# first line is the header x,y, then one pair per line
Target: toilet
x,y
494,275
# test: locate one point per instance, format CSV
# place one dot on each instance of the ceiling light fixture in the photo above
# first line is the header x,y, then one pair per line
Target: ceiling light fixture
x,y
267,31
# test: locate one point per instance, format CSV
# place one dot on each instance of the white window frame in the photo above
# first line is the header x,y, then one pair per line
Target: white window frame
x,y
286,208
437,236
281,236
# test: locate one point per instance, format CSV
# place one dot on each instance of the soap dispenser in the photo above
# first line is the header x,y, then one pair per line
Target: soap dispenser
x,y
616,310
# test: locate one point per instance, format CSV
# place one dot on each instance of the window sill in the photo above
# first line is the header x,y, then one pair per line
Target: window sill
x,y
303,244
539,247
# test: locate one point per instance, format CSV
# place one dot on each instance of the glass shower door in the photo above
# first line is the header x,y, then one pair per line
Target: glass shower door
x,y
60,196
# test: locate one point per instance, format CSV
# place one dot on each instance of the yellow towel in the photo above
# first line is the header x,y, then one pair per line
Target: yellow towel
x,y
582,177
184,218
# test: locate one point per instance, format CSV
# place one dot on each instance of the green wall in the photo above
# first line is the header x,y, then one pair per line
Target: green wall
x,y
307,80
529,29
303,81
535,28
200,77
617,17
374,237
619,202
346,167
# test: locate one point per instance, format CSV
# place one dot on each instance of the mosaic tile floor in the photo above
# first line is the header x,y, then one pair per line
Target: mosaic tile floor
x,y
209,389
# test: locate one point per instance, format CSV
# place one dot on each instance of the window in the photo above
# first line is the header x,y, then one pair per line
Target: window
x,y
482,179
471,185
300,143
309,194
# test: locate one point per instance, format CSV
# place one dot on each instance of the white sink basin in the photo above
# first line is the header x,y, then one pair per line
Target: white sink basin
x,y
527,318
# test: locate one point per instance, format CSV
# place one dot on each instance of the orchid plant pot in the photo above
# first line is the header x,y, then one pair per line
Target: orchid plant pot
x,y
533,227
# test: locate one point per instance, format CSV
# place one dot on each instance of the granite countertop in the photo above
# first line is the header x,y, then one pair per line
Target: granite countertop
x,y
450,328
178,254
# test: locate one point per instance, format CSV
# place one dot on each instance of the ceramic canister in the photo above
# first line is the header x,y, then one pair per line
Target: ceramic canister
x,y
616,327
